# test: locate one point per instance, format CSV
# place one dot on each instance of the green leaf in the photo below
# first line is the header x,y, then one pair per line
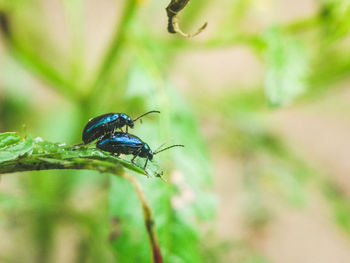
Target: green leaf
x,y
335,17
287,67
176,215
8,138
16,150
36,154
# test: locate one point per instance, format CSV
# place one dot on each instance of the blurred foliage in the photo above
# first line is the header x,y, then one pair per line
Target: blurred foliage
x,y
51,81
286,69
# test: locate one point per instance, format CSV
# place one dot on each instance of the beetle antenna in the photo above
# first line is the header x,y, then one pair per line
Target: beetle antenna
x,y
163,144
175,145
152,111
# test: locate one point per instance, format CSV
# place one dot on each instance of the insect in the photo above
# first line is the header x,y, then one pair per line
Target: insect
x,y
107,124
125,143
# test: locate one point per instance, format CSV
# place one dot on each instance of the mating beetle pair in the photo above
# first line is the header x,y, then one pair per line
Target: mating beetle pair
x,y
104,128
108,124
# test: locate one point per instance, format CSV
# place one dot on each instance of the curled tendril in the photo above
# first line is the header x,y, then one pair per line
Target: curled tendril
x,y
172,10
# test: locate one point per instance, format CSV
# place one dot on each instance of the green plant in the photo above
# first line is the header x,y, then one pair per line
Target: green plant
x,y
85,95
302,61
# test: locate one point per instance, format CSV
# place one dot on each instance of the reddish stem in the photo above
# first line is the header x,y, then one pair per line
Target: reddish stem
x,y
148,218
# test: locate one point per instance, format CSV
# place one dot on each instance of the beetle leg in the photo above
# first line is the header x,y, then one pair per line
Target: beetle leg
x,y
144,167
126,129
136,154
132,160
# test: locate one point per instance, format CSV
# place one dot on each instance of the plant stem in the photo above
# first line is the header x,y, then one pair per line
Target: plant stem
x,y
31,60
42,69
48,162
114,48
37,163
148,218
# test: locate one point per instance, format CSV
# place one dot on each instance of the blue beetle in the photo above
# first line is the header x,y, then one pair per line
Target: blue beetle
x,y
125,143
107,124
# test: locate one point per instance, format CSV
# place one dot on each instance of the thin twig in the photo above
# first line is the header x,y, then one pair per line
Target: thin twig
x,y
48,162
175,23
172,10
148,218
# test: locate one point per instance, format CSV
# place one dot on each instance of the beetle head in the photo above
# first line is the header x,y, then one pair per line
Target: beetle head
x,y
130,122
127,120
147,151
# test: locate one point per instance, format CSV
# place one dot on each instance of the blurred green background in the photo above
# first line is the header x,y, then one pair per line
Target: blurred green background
x,y
260,99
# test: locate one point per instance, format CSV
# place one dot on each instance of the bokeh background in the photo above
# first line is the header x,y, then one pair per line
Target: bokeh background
x,y
260,99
